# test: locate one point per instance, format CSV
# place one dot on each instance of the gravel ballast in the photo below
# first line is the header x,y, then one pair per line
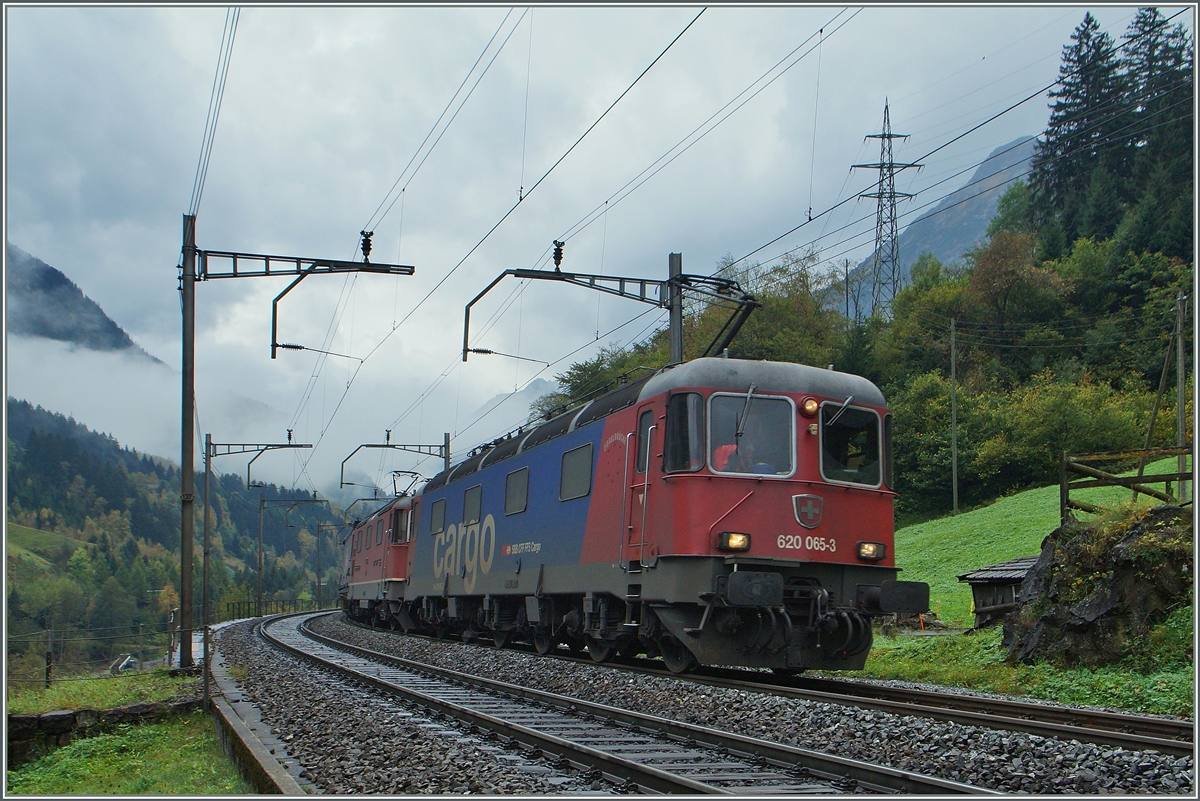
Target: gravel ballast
x,y
1002,760
358,740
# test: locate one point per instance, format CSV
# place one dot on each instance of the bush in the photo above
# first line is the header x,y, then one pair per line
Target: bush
x,y
1021,433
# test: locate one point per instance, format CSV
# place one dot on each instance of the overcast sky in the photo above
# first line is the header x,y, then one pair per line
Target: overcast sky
x,y
323,108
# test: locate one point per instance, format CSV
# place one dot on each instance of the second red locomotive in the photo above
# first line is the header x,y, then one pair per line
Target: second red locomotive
x,y
720,512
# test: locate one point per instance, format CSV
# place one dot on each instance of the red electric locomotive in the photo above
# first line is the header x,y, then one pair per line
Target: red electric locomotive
x,y
375,560
721,512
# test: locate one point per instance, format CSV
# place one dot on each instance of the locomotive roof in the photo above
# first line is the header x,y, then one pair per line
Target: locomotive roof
x,y
712,373
391,504
738,374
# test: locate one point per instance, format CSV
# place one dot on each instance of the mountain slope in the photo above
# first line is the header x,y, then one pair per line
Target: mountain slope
x,y
42,302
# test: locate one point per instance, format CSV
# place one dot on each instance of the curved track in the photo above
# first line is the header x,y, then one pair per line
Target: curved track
x,y
1132,732
634,751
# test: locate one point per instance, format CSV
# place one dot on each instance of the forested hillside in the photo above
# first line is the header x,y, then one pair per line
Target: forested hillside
x,y
42,302
1063,315
94,536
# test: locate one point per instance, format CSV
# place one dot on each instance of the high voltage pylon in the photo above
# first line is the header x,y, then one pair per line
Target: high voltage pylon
x,y
886,280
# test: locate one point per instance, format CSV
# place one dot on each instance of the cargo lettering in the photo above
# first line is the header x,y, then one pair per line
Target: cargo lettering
x,y
473,547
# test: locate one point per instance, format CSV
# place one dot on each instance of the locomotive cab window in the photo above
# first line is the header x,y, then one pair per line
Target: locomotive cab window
x,y
850,449
751,434
685,433
437,516
367,537
645,426
516,492
379,533
472,500
400,526
576,478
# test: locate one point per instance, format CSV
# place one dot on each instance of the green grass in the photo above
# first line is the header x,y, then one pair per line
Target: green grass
x,y
24,699
29,551
25,563
975,661
937,551
179,756
43,543
1159,678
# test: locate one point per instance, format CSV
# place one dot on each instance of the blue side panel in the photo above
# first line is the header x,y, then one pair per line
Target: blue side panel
x,y
548,532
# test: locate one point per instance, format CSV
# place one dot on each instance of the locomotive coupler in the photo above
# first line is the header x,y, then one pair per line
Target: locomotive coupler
x,y
818,608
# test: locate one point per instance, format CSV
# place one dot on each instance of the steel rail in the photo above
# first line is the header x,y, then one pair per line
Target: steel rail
x,y
1180,731
847,772
616,769
1130,731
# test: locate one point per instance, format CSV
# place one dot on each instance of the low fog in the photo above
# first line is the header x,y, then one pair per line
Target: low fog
x,y
136,400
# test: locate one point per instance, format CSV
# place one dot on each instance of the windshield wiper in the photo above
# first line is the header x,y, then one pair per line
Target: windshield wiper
x,y
838,413
745,412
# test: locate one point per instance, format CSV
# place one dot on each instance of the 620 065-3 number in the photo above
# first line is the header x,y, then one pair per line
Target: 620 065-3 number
x,y
797,542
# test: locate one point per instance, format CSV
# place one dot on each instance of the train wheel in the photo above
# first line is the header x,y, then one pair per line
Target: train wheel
x,y
599,650
675,654
501,637
543,641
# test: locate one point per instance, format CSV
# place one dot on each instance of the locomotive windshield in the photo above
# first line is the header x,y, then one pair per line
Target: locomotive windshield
x,y
850,445
751,435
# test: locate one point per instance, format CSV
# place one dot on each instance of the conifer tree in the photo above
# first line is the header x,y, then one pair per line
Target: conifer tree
x,y
1157,65
1088,114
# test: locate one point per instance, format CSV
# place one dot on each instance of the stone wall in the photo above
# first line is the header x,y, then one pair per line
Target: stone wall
x,y
33,736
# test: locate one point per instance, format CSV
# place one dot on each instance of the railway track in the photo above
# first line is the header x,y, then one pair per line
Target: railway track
x,y
635,752
1129,731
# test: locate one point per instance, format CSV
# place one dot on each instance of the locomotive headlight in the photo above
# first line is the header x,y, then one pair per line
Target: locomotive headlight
x,y
733,541
871,551
809,407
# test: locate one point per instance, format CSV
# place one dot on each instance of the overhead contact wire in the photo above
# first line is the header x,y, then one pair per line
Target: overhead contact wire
x,y
441,116
532,188
943,146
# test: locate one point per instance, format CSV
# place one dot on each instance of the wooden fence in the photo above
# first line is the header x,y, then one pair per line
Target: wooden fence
x,y
1077,464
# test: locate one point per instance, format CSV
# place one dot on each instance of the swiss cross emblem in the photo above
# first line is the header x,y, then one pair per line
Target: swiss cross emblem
x,y
808,510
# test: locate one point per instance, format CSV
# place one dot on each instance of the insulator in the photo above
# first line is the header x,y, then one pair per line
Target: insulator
x,y
558,253
366,244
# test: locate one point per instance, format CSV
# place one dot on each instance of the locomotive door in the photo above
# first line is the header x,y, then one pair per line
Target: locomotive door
x,y
636,510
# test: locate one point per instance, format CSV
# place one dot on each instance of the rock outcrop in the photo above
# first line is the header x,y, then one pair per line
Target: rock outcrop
x,y
1097,589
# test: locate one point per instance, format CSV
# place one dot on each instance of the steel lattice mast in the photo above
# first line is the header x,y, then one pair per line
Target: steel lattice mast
x,y
886,279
